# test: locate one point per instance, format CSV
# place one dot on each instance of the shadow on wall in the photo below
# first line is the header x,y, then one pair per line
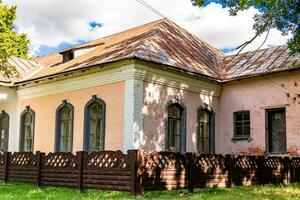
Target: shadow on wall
x,y
156,99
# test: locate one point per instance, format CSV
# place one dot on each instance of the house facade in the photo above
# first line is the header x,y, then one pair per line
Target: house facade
x,y
154,87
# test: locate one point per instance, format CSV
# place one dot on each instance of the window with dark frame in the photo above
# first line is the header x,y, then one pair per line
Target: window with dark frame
x,y
242,124
64,135
4,131
174,127
95,125
204,132
27,130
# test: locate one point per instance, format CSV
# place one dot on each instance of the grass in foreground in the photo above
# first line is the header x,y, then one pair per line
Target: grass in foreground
x,y
25,191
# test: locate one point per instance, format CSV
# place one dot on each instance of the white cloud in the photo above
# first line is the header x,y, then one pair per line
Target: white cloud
x,y
51,22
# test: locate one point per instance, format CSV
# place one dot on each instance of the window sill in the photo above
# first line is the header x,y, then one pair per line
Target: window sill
x,y
235,138
277,154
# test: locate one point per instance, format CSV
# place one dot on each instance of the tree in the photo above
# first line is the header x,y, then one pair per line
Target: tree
x,y
281,14
11,43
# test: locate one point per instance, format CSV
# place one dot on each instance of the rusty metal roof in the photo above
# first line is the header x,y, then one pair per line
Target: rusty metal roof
x,y
165,43
24,68
259,62
161,41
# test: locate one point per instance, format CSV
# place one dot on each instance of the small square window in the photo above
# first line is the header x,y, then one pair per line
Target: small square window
x,y
242,124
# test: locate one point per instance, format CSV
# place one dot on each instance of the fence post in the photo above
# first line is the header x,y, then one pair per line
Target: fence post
x,y
189,161
135,189
261,166
6,166
229,166
38,167
287,170
80,157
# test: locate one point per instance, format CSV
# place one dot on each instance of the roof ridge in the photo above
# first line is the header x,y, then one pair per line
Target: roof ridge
x,y
207,44
186,36
97,48
111,35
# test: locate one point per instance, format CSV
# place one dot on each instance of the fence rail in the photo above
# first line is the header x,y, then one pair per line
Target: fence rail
x,y
136,171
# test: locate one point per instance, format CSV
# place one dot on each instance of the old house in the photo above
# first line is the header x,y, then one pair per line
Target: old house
x,y
153,87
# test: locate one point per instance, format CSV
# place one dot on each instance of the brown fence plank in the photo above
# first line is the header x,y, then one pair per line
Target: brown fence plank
x,y
137,171
6,163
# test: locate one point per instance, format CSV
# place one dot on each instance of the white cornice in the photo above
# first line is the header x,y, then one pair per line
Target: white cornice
x,y
104,77
112,74
176,80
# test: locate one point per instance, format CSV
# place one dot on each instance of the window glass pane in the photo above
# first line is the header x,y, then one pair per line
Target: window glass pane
x,y
174,134
239,131
238,116
204,132
174,128
204,116
65,131
99,135
246,116
247,130
174,111
246,123
239,124
4,124
242,123
96,125
28,131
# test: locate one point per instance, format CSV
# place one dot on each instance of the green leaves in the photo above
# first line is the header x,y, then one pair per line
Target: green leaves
x,y
281,14
11,43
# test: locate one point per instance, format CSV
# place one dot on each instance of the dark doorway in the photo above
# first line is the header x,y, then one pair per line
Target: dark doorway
x,y
276,130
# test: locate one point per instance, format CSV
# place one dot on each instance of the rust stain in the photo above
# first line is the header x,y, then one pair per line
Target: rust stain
x,y
293,150
258,62
253,151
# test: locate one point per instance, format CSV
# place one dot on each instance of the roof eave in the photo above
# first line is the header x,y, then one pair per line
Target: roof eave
x,y
258,75
173,68
199,75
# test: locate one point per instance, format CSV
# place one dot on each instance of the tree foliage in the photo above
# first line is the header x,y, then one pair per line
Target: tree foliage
x,y
11,43
281,14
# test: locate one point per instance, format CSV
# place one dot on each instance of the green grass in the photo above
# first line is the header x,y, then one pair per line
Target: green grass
x,y
25,191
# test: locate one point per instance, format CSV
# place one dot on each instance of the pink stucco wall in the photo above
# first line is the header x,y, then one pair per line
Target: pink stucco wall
x,y
257,95
156,98
45,109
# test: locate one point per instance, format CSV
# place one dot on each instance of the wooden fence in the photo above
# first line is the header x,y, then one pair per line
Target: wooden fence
x,y
135,171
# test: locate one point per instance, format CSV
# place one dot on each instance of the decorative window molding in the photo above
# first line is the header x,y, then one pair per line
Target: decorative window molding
x,y
241,124
99,117
64,127
4,131
172,121
27,126
206,109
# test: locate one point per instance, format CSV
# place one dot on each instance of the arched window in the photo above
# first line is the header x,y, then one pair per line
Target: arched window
x,y
176,128
94,125
205,133
4,131
27,130
64,127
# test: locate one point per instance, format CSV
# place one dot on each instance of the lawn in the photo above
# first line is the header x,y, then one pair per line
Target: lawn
x,y
25,191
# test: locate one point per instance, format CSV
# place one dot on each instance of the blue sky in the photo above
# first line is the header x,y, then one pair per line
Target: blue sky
x,y
43,49
53,25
